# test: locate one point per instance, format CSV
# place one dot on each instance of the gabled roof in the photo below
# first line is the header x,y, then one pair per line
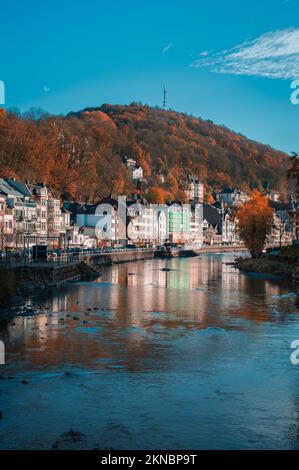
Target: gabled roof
x,y
9,190
77,208
38,186
19,186
211,215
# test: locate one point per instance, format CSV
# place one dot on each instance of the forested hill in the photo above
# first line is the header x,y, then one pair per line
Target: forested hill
x,y
81,155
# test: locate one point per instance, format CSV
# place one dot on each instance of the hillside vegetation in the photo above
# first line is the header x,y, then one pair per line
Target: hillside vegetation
x,y
81,155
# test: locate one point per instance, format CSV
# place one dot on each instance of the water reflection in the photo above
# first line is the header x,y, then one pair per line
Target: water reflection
x,y
124,311
202,341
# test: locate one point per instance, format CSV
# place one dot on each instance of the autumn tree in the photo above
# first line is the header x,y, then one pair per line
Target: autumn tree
x,y
156,195
209,198
82,153
254,221
293,172
118,185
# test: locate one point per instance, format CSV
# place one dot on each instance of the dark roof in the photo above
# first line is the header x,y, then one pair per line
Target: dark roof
x,y
65,211
9,190
281,206
212,216
19,186
137,199
218,205
110,200
228,190
77,208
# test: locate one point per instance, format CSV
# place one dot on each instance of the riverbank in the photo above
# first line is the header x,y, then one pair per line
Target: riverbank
x,y
222,249
19,280
29,276
276,265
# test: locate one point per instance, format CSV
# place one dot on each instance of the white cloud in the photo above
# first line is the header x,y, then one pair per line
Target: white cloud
x,y
273,55
204,53
166,48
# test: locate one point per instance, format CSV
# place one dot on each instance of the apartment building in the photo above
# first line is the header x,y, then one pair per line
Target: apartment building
x,y
141,222
48,211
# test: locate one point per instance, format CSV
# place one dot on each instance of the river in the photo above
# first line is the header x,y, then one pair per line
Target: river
x,y
196,357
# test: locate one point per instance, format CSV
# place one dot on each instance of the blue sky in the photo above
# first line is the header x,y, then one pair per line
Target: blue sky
x,y
230,61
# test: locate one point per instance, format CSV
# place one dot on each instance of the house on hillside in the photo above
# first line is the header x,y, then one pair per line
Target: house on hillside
x,y
232,196
273,196
193,188
135,169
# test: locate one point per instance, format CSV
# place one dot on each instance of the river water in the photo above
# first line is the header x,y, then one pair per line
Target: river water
x,y
197,357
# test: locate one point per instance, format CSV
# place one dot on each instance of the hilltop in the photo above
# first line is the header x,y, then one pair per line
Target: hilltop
x,y
81,155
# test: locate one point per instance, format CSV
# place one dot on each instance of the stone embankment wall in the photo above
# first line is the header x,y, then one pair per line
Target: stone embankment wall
x,y
46,276
222,249
107,259
43,275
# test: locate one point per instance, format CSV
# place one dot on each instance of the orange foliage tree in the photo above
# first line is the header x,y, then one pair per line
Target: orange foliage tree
x,y
255,221
82,153
156,195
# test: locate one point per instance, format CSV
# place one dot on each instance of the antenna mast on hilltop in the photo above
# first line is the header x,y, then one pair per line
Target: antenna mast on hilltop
x,y
164,96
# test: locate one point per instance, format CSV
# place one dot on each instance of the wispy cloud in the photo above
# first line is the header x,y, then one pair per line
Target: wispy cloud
x,y
273,55
166,48
46,89
204,53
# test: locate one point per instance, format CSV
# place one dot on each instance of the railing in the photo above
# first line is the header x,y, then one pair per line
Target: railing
x,y
63,259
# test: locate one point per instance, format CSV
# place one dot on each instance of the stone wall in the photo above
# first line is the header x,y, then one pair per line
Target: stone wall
x,y
107,259
47,275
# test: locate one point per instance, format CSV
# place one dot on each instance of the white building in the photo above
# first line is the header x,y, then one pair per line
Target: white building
x,y
99,221
273,196
229,228
142,226
195,189
6,224
196,224
232,197
136,170
20,213
161,225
